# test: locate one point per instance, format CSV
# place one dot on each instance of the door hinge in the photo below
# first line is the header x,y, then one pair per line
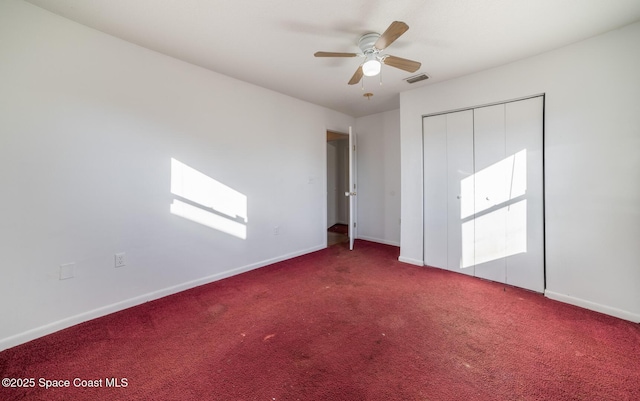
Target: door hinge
x,y
354,148
354,224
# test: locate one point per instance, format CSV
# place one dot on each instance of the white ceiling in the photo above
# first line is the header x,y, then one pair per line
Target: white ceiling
x,y
271,43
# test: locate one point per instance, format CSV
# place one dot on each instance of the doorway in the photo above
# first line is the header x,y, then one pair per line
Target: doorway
x,y
337,185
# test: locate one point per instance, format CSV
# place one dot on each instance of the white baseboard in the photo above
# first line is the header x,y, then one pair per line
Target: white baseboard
x,y
607,310
378,240
41,331
50,328
411,261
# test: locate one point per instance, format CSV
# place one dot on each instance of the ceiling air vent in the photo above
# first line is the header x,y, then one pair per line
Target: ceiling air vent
x,y
416,78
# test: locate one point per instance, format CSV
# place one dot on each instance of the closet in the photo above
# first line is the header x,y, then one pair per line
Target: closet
x,y
483,192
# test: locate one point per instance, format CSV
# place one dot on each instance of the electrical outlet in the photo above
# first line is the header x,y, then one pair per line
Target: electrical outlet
x,y
66,271
276,230
119,259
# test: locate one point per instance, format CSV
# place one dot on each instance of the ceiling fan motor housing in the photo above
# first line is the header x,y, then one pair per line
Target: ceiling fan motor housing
x,y
366,43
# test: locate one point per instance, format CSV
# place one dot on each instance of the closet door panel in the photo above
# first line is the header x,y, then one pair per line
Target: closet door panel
x,y
460,192
435,191
490,192
525,247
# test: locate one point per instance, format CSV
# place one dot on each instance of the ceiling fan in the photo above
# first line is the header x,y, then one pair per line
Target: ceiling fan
x,y
371,45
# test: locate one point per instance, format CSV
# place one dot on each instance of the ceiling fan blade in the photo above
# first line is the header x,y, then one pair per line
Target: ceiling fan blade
x,y
334,54
402,63
357,76
395,30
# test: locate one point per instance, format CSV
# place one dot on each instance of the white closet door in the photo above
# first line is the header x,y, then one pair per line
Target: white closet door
x,y
524,224
435,190
483,193
490,192
460,190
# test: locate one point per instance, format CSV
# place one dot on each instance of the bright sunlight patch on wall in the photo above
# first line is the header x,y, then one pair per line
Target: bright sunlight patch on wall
x,y
493,211
207,201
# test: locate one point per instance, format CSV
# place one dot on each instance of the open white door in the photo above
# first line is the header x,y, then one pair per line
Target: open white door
x,y
352,188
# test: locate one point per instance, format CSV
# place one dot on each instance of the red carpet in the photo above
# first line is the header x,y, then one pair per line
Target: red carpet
x,y
339,325
340,229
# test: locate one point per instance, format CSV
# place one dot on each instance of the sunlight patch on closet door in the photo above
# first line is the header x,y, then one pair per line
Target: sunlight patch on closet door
x,y
497,228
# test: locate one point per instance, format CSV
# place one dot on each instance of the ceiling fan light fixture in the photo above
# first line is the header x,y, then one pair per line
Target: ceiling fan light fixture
x,y
371,66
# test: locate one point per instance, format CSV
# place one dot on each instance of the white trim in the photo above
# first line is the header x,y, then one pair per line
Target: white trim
x,y
378,240
484,105
50,328
411,261
607,310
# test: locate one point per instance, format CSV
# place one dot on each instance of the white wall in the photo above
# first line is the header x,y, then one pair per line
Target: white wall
x,y
343,181
88,126
337,182
332,183
378,143
592,164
